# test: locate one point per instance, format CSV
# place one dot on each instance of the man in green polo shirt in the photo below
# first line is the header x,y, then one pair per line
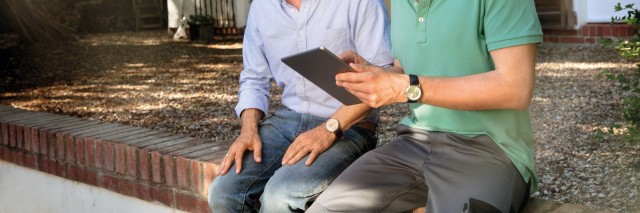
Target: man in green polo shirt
x,y
469,73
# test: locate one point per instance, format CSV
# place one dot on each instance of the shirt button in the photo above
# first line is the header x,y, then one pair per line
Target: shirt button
x,y
421,19
301,33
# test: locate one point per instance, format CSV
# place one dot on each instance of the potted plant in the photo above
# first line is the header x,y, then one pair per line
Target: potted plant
x,y
200,27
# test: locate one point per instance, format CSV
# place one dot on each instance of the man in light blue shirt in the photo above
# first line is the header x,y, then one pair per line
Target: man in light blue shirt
x,y
281,163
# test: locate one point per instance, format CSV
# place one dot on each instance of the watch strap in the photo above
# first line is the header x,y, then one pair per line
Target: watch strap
x,y
413,80
338,133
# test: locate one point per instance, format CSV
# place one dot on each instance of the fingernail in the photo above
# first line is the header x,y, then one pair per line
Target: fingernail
x,y
259,159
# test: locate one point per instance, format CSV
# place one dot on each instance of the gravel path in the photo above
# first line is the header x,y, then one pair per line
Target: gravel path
x,y
145,79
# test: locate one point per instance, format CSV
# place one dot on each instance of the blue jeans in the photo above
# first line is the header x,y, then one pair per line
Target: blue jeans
x,y
288,188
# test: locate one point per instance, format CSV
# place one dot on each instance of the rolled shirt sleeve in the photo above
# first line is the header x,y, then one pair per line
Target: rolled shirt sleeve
x,y
255,79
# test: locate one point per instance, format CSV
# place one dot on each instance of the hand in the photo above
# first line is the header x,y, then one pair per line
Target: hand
x,y
249,140
373,85
350,56
312,142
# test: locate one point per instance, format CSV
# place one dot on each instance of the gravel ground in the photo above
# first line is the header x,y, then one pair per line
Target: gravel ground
x,y
145,79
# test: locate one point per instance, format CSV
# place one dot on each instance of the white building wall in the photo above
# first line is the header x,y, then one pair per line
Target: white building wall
x,y
179,8
29,191
598,11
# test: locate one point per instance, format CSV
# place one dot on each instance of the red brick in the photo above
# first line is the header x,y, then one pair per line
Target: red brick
x,y
51,167
132,161
19,137
88,152
143,156
73,173
197,151
5,133
91,178
573,40
584,31
59,146
51,144
125,187
4,153
169,170
615,30
629,31
70,148
47,166
160,143
163,196
590,40
109,182
190,203
153,139
156,171
79,152
34,140
98,153
117,184
592,30
42,142
606,30
109,156
82,174
121,161
209,172
31,161
182,172
17,157
26,138
196,178
12,135
142,192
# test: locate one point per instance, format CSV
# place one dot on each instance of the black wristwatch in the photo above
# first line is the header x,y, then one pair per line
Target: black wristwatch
x,y
413,92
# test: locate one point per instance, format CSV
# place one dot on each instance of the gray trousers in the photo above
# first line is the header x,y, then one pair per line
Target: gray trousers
x,y
446,172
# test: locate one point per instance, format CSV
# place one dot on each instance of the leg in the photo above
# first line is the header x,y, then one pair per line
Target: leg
x,y
387,179
240,192
472,175
293,188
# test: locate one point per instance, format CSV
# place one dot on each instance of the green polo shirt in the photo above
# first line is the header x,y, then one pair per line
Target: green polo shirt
x,y
449,38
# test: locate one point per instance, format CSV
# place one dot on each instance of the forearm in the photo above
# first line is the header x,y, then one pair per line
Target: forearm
x,y
251,119
509,86
350,115
486,91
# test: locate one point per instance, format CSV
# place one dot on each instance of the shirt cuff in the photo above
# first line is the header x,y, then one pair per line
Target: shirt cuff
x,y
252,99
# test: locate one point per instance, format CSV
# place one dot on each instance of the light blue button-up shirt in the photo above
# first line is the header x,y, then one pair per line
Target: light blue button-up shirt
x,y
276,29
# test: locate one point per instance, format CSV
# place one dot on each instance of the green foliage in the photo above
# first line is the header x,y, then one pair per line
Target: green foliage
x,y
200,19
630,82
632,17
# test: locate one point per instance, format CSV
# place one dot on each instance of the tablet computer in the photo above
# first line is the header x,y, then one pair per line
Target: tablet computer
x,y
320,66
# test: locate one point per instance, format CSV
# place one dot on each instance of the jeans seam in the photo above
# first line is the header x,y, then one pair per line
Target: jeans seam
x,y
257,177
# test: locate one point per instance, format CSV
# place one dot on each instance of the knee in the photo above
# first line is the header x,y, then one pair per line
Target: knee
x,y
283,197
220,195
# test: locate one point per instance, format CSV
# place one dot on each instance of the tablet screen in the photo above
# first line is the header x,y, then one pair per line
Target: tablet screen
x,y
320,66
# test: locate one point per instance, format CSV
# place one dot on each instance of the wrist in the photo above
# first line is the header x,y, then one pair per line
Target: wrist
x,y
402,84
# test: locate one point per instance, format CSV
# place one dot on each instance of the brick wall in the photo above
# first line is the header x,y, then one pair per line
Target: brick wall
x,y
153,166
588,34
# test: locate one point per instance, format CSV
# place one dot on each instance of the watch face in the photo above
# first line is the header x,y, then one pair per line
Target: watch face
x,y
413,92
332,125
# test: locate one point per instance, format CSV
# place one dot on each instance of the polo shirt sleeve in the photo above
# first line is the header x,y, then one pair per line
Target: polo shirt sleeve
x,y
511,23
